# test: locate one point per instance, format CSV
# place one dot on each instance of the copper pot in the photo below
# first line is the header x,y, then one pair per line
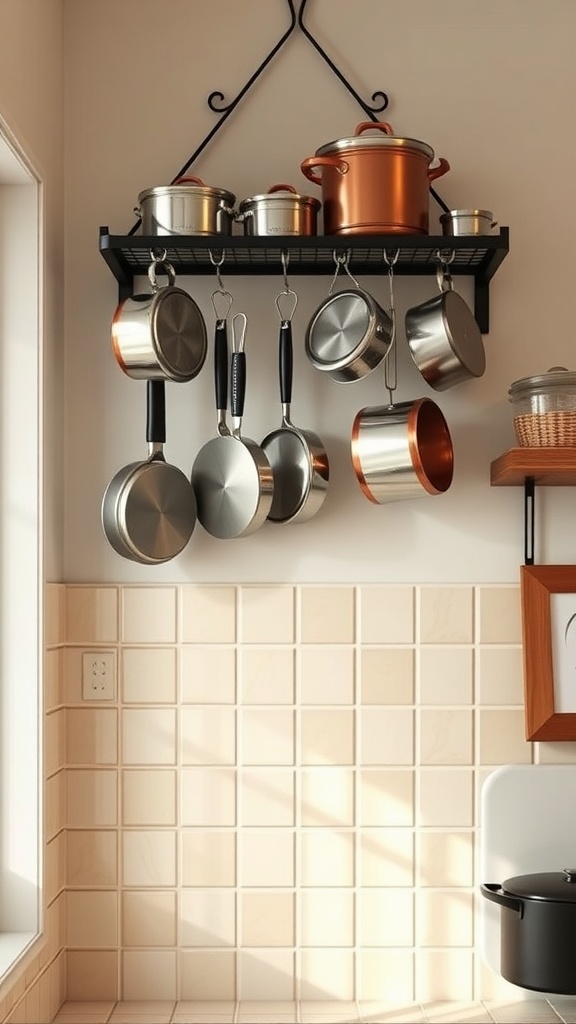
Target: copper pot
x,y
374,184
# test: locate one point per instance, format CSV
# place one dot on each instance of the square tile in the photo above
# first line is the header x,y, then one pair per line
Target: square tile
x,y
148,858
268,918
326,858
387,675
502,737
91,857
446,615
55,599
207,858
207,675
91,797
386,736
149,736
148,918
149,797
326,917
326,973
385,918
327,615
446,797
500,676
207,918
149,975
91,974
266,857
327,797
446,737
207,796
327,736
148,675
499,615
207,735
91,736
267,615
267,675
91,918
445,858
446,675
267,736
208,614
267,974
445,975
207,974
326,675
148,615
387,615
445,917
91,614
386,797
266,796
386,858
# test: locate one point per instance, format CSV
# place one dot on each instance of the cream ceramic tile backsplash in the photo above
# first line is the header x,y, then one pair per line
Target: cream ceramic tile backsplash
x,y
282,802
290,773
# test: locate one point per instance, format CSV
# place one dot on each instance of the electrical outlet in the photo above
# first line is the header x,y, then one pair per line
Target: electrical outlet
x,y
98,675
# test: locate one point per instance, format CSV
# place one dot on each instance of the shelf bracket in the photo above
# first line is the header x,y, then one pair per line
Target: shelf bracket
x,y
529,517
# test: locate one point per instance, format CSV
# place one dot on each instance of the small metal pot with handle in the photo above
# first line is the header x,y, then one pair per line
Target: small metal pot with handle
x,y
444,338
161,334
537,929
187,207
349,333
280,211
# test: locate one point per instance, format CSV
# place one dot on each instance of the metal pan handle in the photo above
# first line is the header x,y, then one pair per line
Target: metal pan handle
x,y
155,413
238,371
221,365
494,892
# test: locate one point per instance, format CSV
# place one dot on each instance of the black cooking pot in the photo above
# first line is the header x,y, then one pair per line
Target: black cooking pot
x,y
538,930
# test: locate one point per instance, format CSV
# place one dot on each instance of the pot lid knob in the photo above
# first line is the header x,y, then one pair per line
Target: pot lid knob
x,y
570,874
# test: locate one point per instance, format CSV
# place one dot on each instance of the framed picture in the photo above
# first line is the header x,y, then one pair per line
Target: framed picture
x,y
549,646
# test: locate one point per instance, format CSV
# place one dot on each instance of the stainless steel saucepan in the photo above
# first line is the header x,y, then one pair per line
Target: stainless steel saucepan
x,y
231,476
149,508
298,457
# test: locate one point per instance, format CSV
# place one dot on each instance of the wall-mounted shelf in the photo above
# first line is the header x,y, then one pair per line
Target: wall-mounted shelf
x,y
527,467
477,256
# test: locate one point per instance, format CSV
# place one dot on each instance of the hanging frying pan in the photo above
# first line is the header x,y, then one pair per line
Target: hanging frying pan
x,y
298,458
231,475
149,508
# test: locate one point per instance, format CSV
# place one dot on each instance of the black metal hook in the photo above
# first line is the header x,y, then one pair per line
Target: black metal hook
x,y
379,95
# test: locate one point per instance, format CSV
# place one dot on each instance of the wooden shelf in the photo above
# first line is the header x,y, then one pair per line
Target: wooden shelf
x,y
552,467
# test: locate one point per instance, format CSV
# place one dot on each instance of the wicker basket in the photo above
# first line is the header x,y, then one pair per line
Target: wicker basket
x,y
546,429
545,409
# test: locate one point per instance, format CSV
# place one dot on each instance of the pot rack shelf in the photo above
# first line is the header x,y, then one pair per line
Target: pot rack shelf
x,y
528,467
473,256
478,256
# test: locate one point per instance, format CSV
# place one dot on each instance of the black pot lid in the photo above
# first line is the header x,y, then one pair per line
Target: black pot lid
x,y
555,886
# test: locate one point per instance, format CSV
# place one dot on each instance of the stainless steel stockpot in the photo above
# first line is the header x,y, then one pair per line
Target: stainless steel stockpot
x,y
467,222
159,335
279,211
348,336
188,207
402,451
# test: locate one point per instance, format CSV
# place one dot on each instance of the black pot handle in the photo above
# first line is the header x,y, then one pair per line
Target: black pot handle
x,y
494,892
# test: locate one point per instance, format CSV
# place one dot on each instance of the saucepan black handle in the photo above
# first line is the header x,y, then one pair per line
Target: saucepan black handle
x,y
286,362
155,411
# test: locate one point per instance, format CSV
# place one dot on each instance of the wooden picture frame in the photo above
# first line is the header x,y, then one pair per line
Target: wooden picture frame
x,y
548,595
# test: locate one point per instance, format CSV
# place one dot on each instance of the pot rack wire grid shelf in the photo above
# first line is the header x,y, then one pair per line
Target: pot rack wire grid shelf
x,y
477,256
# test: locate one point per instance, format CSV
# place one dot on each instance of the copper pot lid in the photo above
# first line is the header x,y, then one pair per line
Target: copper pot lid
x,y
382,139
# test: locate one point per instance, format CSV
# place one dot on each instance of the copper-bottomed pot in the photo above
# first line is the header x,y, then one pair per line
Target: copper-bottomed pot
x,y
374,184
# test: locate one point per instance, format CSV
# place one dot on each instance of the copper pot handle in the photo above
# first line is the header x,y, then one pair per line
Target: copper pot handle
x,y
281,188
439,170
322,161
382,126
189,181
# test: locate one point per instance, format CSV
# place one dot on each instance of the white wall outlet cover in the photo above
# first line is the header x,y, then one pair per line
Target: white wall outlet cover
x,y
99,675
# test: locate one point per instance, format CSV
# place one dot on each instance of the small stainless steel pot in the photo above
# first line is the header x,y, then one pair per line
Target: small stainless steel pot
x,y
537,929
188,207
280,211
402,451
467,222
444,338
159,335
